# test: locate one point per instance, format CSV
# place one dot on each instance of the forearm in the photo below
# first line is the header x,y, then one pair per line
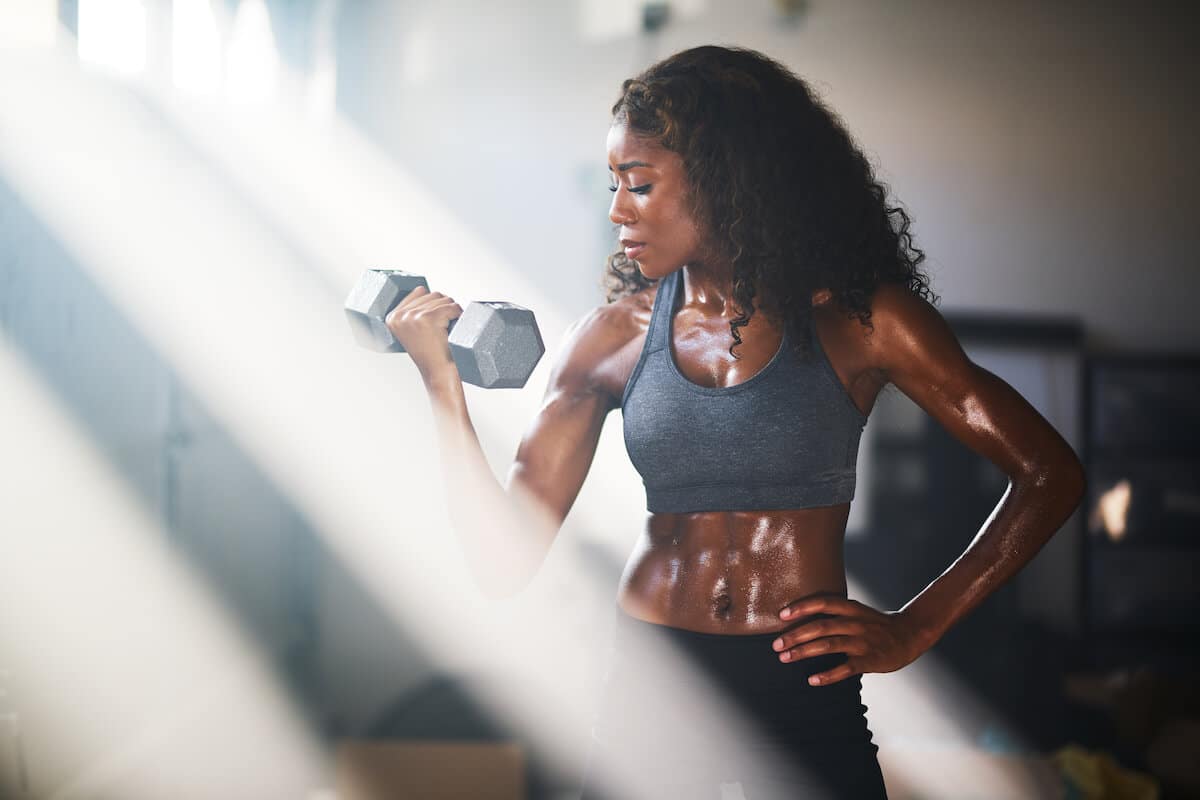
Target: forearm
x,y
499,539
1030,512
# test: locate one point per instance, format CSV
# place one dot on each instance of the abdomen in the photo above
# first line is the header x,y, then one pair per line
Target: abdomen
x,y
731,572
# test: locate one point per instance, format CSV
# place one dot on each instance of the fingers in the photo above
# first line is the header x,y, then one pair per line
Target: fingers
x,y
434,307
441,312
836,627
829,644
422,299
839,673
829,604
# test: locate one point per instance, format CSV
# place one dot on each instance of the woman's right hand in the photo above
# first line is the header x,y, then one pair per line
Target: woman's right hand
x,y
420,324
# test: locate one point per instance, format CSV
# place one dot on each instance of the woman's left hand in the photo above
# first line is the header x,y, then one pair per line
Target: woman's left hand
x,y
875,641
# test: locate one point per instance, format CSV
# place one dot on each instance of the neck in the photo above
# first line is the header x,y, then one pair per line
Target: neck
x,y
709,289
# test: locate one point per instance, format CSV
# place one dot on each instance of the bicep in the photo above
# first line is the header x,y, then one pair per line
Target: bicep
x,y
919,353
556,452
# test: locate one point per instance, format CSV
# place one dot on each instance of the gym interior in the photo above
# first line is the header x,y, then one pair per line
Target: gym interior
x,y
227,563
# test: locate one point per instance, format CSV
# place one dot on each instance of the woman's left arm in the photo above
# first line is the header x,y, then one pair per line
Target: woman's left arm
x,y
917,351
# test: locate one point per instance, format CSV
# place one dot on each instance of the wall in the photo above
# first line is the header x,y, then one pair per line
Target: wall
x,y
1045,150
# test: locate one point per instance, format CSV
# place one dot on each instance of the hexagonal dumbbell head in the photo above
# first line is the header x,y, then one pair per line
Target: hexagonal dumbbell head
x,y
377,292
496,344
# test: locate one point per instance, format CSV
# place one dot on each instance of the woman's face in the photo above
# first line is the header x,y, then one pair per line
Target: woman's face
x,y
650,203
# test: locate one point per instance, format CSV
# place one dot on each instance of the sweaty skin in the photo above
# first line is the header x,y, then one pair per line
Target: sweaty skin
x,y
714,571
728,571
734,572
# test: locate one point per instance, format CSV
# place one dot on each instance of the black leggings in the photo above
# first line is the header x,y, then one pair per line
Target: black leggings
x,y
801,741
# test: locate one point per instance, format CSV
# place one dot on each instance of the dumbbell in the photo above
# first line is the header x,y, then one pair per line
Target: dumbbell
x,y
495,344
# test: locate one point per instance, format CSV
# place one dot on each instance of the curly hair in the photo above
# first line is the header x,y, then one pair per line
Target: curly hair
x,y
777,183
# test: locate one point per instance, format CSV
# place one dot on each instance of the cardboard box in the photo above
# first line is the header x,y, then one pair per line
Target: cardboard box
x,y
416,769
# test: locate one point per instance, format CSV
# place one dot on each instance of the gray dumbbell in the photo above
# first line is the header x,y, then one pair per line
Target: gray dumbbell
x,y
495,344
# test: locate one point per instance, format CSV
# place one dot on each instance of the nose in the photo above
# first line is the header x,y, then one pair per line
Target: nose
x,y
620,212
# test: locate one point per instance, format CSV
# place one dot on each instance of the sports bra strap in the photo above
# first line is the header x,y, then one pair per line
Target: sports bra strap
x,y
660,319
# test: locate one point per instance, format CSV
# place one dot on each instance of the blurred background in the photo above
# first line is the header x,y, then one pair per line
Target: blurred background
x,y
226,566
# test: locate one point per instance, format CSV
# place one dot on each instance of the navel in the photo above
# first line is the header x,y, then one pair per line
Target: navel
x,y
722,604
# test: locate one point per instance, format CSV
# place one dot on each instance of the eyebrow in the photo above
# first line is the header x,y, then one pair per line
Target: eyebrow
x,y
631,165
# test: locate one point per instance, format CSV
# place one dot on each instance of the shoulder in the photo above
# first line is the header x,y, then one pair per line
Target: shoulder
x,y
617,322
909,334
596,337
896,304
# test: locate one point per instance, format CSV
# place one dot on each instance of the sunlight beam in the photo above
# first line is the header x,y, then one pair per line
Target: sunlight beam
x,y
237,275
123,668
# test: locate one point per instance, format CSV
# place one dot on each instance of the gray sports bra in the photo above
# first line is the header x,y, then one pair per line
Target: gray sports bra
x,y
786,438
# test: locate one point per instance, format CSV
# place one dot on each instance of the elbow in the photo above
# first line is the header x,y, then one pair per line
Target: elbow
x,y
1081,477
1074,477
1065,480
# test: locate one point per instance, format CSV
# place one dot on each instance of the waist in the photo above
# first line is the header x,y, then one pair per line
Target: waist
x,y
745,665
660,679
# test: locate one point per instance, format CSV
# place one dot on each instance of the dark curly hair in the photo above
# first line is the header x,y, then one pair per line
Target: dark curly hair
x,y
776,182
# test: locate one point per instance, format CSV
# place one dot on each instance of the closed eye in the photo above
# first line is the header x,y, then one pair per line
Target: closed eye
x,y
637,189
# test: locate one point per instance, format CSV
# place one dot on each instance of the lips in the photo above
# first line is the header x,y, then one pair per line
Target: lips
x,y
632,249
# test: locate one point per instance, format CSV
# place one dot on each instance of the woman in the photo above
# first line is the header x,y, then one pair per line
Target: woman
x,y
763,297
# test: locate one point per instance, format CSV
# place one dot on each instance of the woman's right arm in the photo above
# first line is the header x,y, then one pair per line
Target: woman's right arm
x,y
506,531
